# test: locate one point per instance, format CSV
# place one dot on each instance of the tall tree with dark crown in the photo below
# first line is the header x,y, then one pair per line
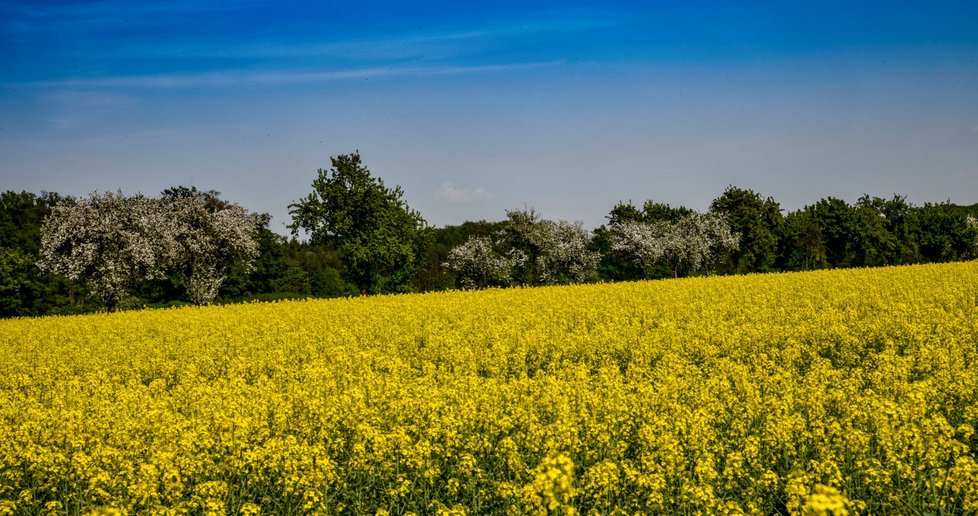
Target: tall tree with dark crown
x,y
380,240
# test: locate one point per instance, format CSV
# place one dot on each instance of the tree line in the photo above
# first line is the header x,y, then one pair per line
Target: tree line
x,y
353,235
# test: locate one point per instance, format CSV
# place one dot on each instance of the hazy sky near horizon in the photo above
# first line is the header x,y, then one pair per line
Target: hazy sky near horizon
x,y
475,108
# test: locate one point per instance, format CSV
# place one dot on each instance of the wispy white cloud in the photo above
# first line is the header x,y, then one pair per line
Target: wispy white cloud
x,y
454,195
430,45
81,98
274,77
72,109
426,47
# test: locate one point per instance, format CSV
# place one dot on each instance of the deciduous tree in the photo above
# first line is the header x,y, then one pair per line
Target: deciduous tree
x,y
209,238
109,241
477,265
757,222
566,255
535,251
694,242
379,238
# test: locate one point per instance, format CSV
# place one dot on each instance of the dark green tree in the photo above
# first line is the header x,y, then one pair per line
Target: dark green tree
x,y
802,244
380,240
656,211
901,221
432,275
211,198
21,216
624,212
944,234
24,289
873,243
758,222
19,285
836,221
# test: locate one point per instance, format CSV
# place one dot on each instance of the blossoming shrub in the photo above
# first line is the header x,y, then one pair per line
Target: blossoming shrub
x,y
829,392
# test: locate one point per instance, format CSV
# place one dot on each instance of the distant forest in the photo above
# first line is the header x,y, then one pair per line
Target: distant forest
x,y
319,262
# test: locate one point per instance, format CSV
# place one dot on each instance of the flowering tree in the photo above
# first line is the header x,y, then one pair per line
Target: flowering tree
x,y
476,264
527,250
697,241
113,242
109,241
565,256
209,238
642,242
694,242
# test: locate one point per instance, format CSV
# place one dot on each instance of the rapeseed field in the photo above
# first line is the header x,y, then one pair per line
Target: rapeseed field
x,y
833,392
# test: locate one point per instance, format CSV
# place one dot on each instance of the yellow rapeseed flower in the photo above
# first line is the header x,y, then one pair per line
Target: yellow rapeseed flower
x,y
829,392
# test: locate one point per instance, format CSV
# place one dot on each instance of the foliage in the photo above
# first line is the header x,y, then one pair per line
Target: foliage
x,y
109,241
210,238
802,244
661,212
286,269
527,251
830,233
477,265
971,223
944,234
211,199
378,237
21,216
625,212
521,241
641,243
622,264
692,243
617,266
118,244
843,390
757,222
434,275
16,285
875,231
24,289
566,256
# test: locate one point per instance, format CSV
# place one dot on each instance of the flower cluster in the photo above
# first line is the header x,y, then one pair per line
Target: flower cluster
x,y
831,392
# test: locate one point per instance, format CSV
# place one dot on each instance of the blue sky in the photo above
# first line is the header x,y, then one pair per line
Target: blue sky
x,y
568,107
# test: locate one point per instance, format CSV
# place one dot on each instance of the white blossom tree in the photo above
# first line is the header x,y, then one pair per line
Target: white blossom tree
x,y
643,243
694,242
476,264
971,223
527,250
697,241
110,241
564,254
210,238
113,242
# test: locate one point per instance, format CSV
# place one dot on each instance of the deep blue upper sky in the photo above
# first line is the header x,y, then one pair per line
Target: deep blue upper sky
x,y
568,107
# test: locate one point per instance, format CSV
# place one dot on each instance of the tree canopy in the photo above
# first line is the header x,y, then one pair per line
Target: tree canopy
x,y
525,250
116,243
757,221
378,237
694,242
60,255
110,241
